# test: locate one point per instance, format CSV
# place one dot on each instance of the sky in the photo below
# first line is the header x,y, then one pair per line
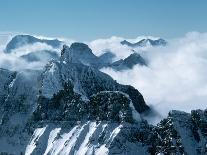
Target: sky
x,y
87,20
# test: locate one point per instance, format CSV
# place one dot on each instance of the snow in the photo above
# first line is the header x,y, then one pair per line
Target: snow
x,y
35,137
52,136
66,142
115,133
103,150
60,143
12,83
84,146
71,143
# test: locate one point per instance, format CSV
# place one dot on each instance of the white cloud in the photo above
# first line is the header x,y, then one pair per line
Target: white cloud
x,y
113,44
32,48
176,77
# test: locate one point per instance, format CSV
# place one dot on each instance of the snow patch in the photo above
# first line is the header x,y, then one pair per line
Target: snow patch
x,y
115,133
60,143
103,150
84,146
33,141
52,136
72,141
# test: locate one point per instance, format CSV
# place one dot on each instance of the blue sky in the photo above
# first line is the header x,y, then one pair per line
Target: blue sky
x,y
91,19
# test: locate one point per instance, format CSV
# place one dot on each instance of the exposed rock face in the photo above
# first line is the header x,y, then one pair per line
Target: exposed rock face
x,y
82,54
78,53
67,105
110,106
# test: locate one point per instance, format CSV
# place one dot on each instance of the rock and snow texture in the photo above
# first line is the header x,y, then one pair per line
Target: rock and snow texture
x,y
91,138
34,139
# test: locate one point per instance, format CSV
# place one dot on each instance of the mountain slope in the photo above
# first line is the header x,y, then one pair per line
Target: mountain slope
x,y
129,62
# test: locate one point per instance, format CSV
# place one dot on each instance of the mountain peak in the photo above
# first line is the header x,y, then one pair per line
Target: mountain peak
x,y
129,62
79,46
78,53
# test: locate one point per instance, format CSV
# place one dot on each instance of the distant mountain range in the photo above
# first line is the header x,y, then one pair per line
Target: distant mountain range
x,y
84,55
22,40
145,42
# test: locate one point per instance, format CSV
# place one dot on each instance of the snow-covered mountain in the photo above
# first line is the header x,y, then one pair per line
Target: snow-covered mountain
x,y
24,95
70,107
145,42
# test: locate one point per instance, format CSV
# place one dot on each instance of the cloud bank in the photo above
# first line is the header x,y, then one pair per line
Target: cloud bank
x,y
176,77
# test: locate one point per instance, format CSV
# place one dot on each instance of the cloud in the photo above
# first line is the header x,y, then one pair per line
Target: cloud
x,y
176,77
15,63
99,46
32,48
